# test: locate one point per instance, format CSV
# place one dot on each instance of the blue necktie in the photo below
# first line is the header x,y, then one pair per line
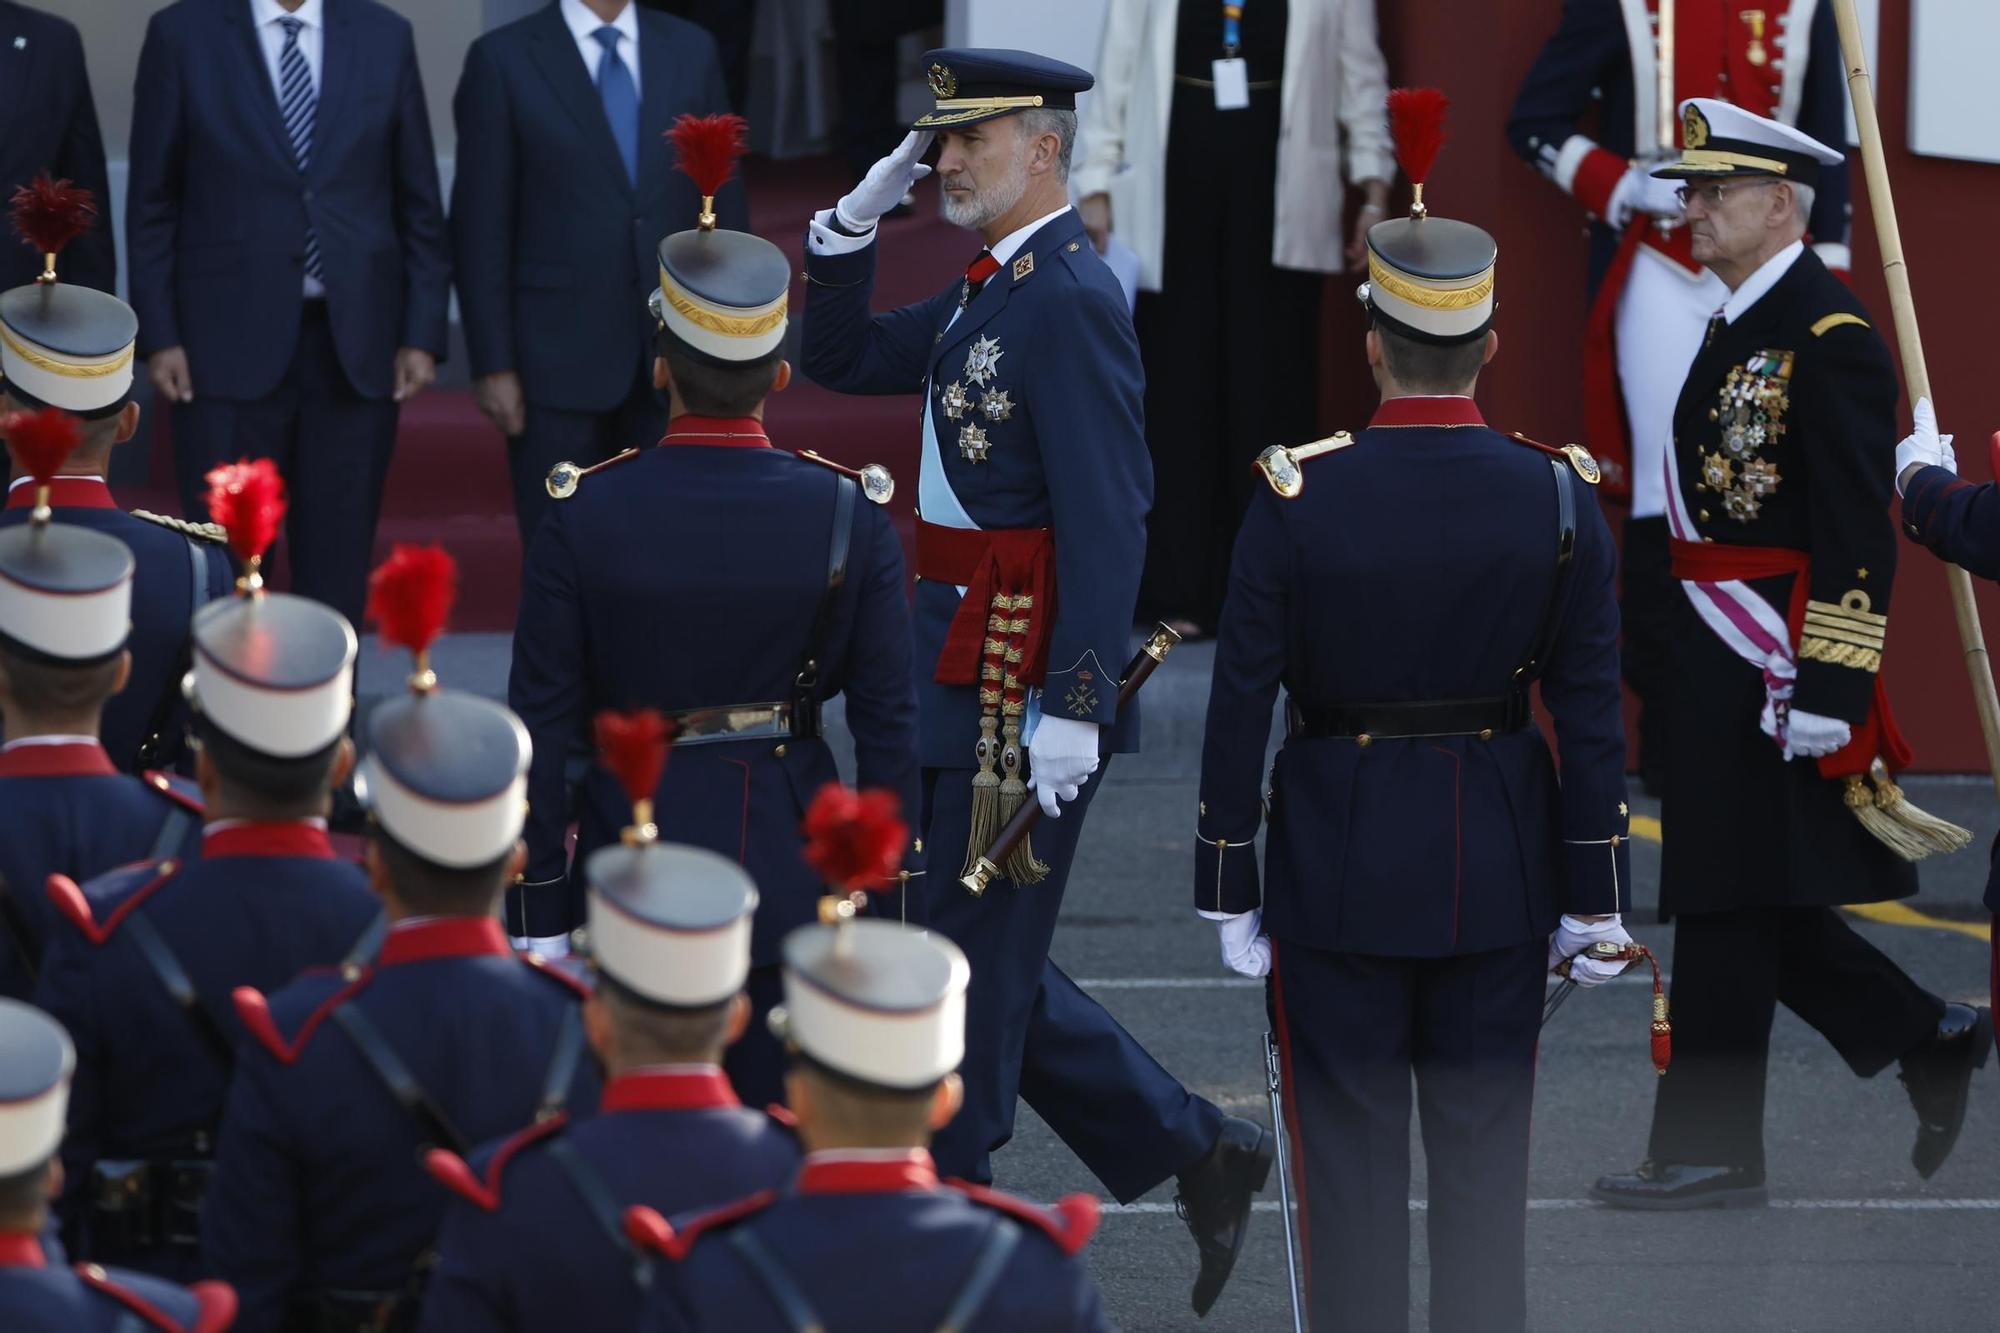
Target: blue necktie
x,y
299,104
621,100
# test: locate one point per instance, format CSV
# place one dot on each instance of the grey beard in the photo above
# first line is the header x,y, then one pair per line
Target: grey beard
x,y
988,204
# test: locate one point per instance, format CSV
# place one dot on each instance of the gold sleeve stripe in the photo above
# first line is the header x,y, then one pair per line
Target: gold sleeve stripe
x,y
1827,322
1854,609
1843,634
1840,654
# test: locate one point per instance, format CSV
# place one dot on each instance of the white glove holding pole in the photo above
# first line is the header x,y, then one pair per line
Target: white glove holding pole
x,y
1573,935
1639,191
1923,446
885,184
1061,758
1246,950
1808,735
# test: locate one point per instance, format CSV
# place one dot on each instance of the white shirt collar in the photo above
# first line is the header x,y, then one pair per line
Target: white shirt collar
x,y
1763,280
311,13
47,740
19,482
222,825
863,1154
583,25
1014,240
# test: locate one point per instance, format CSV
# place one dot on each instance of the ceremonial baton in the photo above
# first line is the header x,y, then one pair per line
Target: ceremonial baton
x,y
1902,306
987,869
1274,1079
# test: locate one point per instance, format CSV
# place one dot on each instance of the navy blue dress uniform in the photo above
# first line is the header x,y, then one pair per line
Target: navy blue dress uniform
x,y
555,211
37,1296
536,1239
767,590
48,123
1031,511
1421,847
143,970
321,1213
56,341
1778,499
65,600
877,1006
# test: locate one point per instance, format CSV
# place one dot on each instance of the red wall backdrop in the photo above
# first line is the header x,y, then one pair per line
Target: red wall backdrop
x,y
1478,51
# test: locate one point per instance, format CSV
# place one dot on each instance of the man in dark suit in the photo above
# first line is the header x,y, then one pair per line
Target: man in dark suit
x,y
288,255
564,186
48,123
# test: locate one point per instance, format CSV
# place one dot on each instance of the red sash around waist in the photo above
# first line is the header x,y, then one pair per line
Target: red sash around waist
x,y
1003,570
1876,735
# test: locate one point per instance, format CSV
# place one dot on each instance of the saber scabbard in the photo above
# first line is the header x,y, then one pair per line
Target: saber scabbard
x,y
987,869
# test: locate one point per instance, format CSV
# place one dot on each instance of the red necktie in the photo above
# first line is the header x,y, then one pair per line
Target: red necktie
x,y
976,274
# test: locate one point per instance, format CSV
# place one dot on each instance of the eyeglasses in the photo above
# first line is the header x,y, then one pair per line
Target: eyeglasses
x,y
1710,192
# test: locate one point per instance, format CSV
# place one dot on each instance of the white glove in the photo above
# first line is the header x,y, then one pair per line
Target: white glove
x,y
1573,935
885,184
1061,759
1808,735
1923,446
1246,950
1639,191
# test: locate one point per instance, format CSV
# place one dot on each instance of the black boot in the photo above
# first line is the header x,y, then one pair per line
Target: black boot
x,y
1938,1077
1673,1186
1215,1201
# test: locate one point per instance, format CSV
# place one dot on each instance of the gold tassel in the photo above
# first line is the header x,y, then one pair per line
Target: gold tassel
x,y
985,795
1904,828
1021,867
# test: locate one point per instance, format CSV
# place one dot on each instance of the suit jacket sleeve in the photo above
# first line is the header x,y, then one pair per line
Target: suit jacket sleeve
x,y
878,684
482,211
1249,665
1545,126
249,1221
1823,115
1084,390
420,215
1843,410
1580,688
849,350
1955,520
92,260
153,188
546,688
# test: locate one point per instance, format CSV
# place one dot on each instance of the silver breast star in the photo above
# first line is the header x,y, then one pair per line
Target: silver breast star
x,y
954,400
983,360
972,444
996,405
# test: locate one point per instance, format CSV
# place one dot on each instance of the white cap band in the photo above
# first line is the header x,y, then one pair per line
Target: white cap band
x,y
76,627
459,834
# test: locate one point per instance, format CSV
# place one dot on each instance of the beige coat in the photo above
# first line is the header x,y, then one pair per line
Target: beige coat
x,y
1334,80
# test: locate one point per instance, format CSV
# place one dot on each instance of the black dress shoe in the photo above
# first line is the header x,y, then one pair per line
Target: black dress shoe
x,y
1215,1201
1671,1186
1938,1077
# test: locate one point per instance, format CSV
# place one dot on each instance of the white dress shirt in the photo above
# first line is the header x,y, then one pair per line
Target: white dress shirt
x,y
265,14
583,26
1763,280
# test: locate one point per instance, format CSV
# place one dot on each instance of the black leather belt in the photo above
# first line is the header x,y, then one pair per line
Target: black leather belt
x,y
1367,723
141,1205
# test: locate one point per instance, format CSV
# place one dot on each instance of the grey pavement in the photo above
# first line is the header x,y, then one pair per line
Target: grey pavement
x,y
1853,1239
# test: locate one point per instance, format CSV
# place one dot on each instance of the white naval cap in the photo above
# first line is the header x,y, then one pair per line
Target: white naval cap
x,y
36,1061
1719,139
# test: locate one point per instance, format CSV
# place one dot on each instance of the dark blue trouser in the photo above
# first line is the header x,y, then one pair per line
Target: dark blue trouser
x,y
1030,1032
1351,1029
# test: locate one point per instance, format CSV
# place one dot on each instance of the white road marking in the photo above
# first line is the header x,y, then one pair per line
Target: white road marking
x,y
1574,1205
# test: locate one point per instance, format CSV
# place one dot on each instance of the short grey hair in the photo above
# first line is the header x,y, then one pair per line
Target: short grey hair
x,y
1803,196
1037,121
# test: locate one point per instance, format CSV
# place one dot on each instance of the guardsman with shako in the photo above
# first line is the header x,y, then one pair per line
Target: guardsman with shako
x,y
36,1296
321,1213
875,1017
535,1239
1031,534
1424,868
1600,73
259,900
1781,803
770,585
70,347
65,621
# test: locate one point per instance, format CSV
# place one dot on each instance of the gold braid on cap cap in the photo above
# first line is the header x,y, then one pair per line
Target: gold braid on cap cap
x,y
1428,298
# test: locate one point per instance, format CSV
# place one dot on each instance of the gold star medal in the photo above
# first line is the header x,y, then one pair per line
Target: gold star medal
x,y
955,400
972,444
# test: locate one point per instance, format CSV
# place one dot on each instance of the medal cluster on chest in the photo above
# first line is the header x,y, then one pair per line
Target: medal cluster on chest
x,y
1750,411
975,394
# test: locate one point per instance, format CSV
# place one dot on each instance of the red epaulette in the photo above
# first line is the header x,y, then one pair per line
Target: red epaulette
x,y
215,1302
1578,457
455,1173
176,789
554,970
1070,1224
645,1227
74,904
254,1012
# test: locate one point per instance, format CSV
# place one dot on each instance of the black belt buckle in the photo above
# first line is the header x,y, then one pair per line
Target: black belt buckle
x,y
183,1184
123,1219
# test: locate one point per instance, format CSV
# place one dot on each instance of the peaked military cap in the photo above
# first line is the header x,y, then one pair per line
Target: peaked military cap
x,y
447,776
66,346
36,1061
273,672
65,593
876,1001
1430,279
1719,140
671,923
973,84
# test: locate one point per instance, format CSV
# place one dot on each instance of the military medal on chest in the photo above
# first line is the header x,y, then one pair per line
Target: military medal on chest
x,y
994,404
1750,411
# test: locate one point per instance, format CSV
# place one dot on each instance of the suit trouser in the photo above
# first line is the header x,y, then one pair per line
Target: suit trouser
x,y
1351,1029
1731,972
1031,1032
330,443
554,435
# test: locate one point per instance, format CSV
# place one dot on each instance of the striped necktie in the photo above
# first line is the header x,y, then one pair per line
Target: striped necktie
x,y
300,105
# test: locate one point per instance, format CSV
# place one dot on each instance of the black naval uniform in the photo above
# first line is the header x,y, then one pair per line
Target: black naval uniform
x,y
1758,851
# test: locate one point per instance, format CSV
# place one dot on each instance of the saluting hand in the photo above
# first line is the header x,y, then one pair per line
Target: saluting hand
x,y
885,184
